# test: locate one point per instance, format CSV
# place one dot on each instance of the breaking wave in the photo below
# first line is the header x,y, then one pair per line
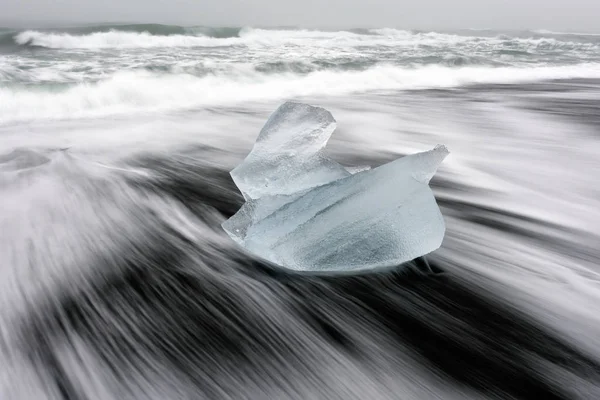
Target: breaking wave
x,y
111,39
142,91
150,35
191,37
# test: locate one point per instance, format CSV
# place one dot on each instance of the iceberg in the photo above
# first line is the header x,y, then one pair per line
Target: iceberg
x,y
305,212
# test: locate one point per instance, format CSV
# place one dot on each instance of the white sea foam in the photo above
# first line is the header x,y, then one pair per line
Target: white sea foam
x,y
264,37
114,39
142,91
122,39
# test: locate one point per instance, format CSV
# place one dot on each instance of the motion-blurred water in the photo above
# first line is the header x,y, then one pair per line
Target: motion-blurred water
x,y
117,280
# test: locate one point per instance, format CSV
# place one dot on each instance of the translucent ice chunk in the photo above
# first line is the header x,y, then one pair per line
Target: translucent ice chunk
x,y
374,218
287,156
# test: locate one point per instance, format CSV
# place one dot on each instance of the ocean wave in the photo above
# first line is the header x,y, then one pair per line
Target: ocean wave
x,y
112,39
148,36
142,91
25,72
193,37
118,36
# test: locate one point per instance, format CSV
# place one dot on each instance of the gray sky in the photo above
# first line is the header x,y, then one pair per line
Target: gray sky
x,y
574,15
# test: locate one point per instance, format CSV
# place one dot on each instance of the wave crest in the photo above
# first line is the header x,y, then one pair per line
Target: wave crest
x,y
110,39
140,91
147,36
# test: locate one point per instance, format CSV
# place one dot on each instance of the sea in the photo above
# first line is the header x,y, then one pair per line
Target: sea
x,y
118,282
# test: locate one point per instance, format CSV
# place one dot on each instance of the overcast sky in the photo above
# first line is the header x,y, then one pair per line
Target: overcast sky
x,y
571,15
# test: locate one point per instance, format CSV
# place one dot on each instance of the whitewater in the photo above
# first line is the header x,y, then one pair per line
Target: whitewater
x,y
117,280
